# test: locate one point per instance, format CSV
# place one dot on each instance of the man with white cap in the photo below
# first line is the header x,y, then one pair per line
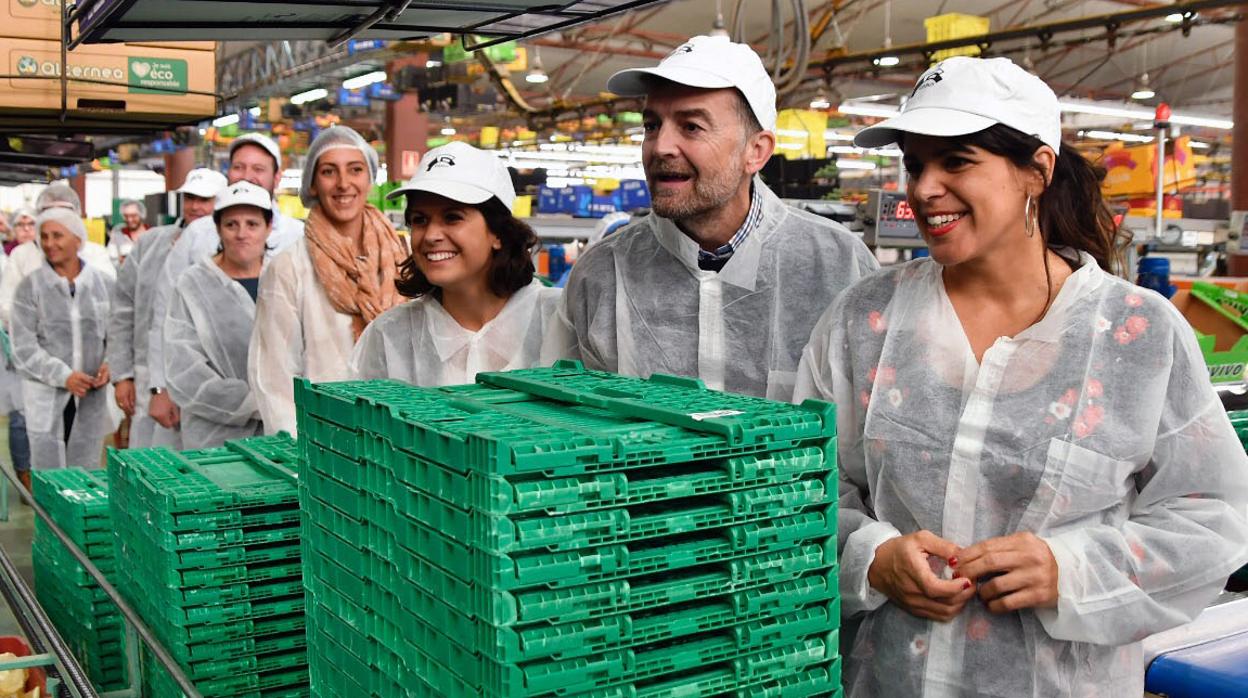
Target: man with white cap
x,y
723,281
59,317
254,158
132,324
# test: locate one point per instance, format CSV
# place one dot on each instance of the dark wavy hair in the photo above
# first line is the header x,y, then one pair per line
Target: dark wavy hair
x,y
511,266
1072,210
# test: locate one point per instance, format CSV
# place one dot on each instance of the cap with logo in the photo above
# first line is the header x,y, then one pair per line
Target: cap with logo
x,y
261,140
711,62
242,194
963,95
203,182
461,173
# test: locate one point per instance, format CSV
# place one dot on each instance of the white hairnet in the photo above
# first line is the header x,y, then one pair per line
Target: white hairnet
x,y
59,196
334,137
23,213
65,217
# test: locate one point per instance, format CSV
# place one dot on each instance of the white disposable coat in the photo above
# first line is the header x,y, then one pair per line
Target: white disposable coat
x,y
197,241
418,342
637,304
206,334
1097,429
27,257
55,334
298,333
130,326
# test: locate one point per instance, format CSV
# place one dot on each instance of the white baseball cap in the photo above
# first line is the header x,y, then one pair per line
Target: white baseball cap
x,y
461,173
261,140
242,194
203,182
711,62
964,95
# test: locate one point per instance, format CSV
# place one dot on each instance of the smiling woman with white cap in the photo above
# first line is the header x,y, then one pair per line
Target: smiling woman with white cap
x,y
208,328
60,313
477,306
1036,473
319,295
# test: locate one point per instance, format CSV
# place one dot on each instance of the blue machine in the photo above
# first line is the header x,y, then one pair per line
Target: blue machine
x,y
1207,658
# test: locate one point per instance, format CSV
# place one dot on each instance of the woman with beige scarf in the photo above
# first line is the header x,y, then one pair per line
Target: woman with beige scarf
x,y
318,295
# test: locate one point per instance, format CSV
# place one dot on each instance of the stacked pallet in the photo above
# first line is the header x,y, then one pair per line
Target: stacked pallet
x,y
77,502
563,532
210,545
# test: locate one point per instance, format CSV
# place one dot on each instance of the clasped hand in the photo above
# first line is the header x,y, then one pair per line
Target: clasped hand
x,y
1008,574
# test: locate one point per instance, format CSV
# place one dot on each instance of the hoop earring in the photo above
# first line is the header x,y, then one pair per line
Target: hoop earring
x,y
1029,223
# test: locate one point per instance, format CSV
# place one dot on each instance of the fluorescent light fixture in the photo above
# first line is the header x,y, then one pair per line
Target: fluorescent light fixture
x,y
1142,114
1117,136
637,137
309,96
432,63
1174,17
820,101
792,133
364,80
254,111
861,109
831,135
887,61
1207,122
790,146
844,164
227,120
1200,145
851,150
448,131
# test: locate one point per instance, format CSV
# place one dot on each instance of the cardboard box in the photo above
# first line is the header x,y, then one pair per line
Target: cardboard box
x,y
1132,171
41,19
144,82
1223,342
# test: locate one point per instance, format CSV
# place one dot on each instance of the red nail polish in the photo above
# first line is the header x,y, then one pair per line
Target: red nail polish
x,y
966,584
953,561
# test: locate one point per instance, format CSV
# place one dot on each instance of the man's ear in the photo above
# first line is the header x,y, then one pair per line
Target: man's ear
x,y
758,150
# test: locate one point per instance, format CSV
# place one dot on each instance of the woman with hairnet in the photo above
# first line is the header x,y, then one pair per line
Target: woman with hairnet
x,y
23,229
1035,471
23,224
210,321
477,306
317,296
60,313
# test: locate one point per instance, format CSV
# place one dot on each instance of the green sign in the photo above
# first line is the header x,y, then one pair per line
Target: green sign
x,y
157,76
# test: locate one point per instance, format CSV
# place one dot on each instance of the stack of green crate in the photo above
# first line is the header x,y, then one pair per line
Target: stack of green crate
x,y
210,544
563,532
77,502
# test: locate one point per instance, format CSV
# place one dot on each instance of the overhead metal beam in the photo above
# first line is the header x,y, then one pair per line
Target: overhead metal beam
x,y
1044,32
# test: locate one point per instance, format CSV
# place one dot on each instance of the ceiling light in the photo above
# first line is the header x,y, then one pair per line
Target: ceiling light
x,y
886,61
792,133
820,100
432,63
1177,17
844,164
1117,136
1142,114
790,146
227,120
364,80
860,109
309,96
448,131
831,135
1143,90
254,111
537,74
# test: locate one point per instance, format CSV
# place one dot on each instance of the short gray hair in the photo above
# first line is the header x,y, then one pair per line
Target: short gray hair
x,y
135,203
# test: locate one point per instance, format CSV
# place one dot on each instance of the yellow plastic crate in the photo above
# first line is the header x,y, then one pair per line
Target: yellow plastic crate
x,y
955,25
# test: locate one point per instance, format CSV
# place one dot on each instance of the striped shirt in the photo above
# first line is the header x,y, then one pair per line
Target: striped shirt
x,y
714,261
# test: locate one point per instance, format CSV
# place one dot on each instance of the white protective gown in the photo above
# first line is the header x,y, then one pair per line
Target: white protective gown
x,y
131,326
419,343
637,304
298,333
1097,429
55,334
206,335
198,241
27,257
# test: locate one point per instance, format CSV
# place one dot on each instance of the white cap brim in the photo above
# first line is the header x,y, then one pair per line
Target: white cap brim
x,y
203,191
633,82
455,191
924,121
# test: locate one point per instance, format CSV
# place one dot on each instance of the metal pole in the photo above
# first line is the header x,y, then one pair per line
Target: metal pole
x,y
74,673
144,633
1161,175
